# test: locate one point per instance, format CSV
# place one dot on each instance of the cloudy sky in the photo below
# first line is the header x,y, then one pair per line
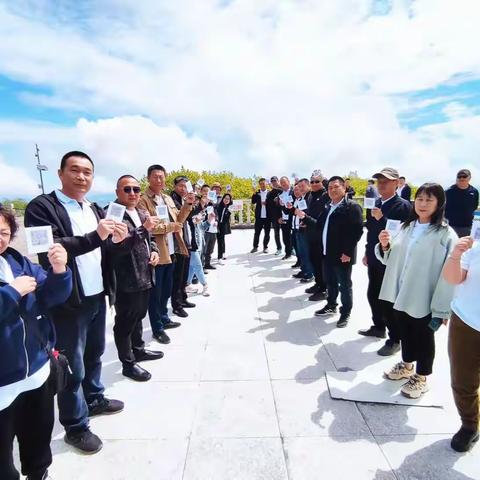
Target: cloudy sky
x,y
253,86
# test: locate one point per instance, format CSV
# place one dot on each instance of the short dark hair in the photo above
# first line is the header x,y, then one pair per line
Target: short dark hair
x,y
151,168
74,153
204,185
304,180
371,181
180,178
125,176
9,217
262,180
336,178
402,178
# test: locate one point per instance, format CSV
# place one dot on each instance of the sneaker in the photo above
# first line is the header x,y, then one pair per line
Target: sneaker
x,y
265,250
307,279
389,349
254,250
85,441
373,332
464,440
398,372
343,320
286,257
415,387
316,297
298,275
161,337
105,406
278,252
313,289
191,289
194,281
326,310
295,265
205,292
171,324
220,262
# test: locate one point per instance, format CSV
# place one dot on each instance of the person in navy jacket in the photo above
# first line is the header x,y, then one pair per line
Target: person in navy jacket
x,y
27,291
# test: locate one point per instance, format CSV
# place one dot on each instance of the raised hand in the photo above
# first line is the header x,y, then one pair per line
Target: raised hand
x,y
57,256
105,228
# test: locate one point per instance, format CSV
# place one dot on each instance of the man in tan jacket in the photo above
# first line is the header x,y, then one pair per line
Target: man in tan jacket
x,y
169,238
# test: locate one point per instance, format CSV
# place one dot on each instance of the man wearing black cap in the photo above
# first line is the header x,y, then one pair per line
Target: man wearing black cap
x,y
462,201
275,211
388,206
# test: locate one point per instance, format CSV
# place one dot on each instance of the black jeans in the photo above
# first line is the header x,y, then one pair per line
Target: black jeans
x,y
29,418
339,280
418,341
180,275
287,238
210,240
262,224
276,234
221,245
315,250
130,309
159,295
382,312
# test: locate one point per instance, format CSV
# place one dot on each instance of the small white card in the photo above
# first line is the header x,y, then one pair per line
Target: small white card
x,y
228,188
200,182
369,203
115,212
212,195
209,210
393,226
162,212
189,186
302,205
475,234
39,239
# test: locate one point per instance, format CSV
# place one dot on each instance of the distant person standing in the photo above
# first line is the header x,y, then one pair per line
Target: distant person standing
x,y
371,191
462,201
262,219
275,211
349,190
404,191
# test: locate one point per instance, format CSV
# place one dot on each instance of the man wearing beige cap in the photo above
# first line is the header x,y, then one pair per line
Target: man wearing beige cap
x,y
388,206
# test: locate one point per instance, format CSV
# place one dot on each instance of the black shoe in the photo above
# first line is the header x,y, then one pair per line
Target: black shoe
x,y
136,372
464,440
187,304
286,257
389,349
205,272
265,250
373,332
209,267
146,355
85,441
306,279
179,312
298,275
254,250
161,337
105,406
195,281
172,324
295,265
313,289
326,310
45,476
343,320
316,297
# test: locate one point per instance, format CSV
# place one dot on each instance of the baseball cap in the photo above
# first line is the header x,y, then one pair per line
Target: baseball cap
x,y
387,172
180,178
274,179
464,173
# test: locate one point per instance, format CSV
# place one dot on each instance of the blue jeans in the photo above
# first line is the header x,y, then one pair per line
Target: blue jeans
x,y
81,337
303,253
196,268
338,277
159,296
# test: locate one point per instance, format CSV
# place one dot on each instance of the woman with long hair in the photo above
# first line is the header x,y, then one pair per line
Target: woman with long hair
x,y
224,213
414,284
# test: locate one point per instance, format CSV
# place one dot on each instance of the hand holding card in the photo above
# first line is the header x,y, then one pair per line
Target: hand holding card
x,y
393,226
115,212
369,203
39,239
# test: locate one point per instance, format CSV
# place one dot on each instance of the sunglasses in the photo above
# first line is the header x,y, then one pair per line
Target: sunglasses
x,y
131,189
462,176
315,181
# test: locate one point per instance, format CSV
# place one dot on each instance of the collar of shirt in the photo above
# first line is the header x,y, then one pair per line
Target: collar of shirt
x,y
387,200
67,200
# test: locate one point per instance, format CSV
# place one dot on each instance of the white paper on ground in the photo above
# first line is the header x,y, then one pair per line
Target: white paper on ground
x,y
39,239
369,203
368,385
115,212
393,226
162,212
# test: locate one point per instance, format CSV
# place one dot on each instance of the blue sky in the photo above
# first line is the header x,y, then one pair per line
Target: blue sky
x,y
257,87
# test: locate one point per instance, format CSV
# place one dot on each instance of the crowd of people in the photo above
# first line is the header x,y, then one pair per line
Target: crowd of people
x,y
162,249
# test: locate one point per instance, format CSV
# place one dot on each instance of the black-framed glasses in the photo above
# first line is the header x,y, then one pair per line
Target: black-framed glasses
x,y
131,189
315,181
462,177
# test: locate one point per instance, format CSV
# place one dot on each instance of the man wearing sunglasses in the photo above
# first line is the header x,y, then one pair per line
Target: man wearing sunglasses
x,y
133,267
462,201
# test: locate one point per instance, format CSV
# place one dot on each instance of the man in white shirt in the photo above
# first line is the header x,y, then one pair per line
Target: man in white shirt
x,y
262,216
87,236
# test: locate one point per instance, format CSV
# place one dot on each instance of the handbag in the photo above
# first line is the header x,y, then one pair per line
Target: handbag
x,y
59,371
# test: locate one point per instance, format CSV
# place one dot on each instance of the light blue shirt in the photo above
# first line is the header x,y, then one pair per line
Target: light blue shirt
x,y
89,265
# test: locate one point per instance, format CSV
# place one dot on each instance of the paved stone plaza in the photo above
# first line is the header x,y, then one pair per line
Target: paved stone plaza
x,y
241,395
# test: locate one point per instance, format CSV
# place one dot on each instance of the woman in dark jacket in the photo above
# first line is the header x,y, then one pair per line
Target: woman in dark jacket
x,y
27,291
223,213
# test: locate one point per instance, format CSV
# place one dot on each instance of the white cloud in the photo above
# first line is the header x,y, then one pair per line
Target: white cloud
x,y
16,182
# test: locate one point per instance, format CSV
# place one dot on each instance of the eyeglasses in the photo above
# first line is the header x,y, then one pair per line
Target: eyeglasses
x,y
462,176
131,189
315,181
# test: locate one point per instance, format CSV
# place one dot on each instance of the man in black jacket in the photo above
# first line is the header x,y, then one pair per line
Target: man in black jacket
x,y
284,218
133,267
87,236
262,216
462,201
388,206
341,224
275,211
403,190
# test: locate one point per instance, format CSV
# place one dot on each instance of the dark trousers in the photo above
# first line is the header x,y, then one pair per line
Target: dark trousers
x,y
315,250
262,224
464,352
81,337
210,239
303,253
130,309
462,231
180,275
287,238
276,234
159,295
221,245
382,312
418,341
29,418
338,277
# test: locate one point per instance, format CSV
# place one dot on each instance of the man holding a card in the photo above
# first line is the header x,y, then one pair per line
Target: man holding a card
x,y
89,239
275,211
285,217
262,216
388,207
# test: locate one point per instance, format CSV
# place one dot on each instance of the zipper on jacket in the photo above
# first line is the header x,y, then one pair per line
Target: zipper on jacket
x,y
25,347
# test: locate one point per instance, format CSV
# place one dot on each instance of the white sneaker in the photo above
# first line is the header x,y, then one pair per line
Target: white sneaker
x,y
205,292
191,289
399,372
278,252
220,262
415,387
